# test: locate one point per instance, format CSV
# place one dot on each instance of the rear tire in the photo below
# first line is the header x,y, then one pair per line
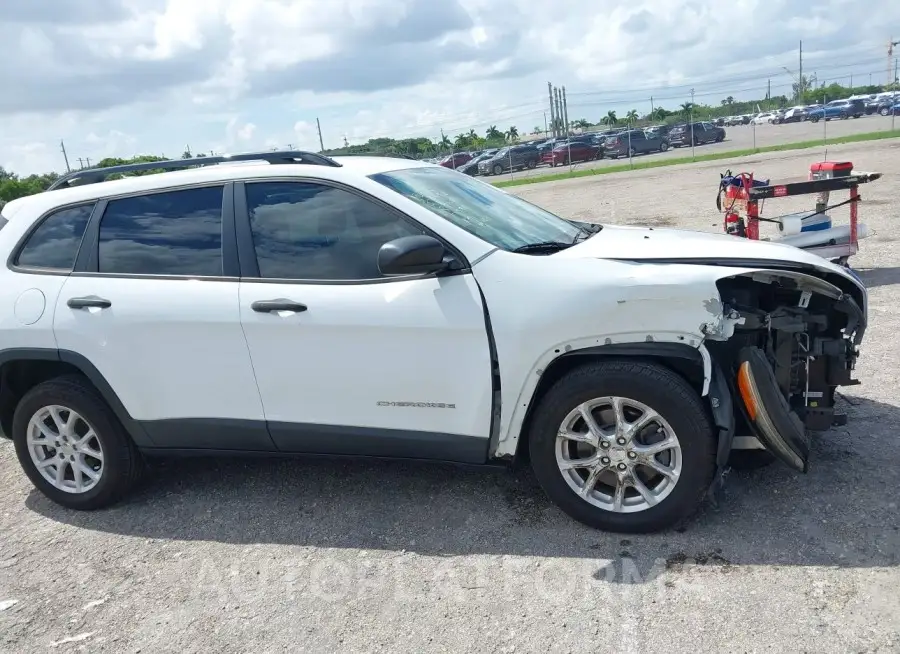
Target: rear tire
x,y
659,389
119,465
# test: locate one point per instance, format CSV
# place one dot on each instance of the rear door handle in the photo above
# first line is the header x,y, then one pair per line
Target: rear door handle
x,y
88,302
272,306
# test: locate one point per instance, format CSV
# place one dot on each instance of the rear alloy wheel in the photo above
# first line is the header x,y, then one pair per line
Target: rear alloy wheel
x,y
663,146
885,112
72,446
623,446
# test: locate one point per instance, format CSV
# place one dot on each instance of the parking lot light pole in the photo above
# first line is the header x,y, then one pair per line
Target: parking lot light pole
x,y
691,117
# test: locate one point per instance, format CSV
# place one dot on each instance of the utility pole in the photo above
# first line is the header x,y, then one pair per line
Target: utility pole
x,y
88,161
556,130
319,127
552,109
565,111
546,129
652,110
802,85
559,116
62,146
80,163
769,90
891,44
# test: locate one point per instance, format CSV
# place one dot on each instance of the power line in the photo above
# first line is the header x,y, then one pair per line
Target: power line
x,y
726,80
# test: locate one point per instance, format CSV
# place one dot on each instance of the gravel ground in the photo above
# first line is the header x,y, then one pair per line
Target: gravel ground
x,y
318,556
743,137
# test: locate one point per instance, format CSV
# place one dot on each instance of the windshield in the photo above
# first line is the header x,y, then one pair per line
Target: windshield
x,y
501,219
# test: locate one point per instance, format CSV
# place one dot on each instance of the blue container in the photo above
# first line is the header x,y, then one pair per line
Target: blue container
x,y
816,223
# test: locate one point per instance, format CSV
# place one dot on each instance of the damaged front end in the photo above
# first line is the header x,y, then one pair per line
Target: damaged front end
x,y
785,342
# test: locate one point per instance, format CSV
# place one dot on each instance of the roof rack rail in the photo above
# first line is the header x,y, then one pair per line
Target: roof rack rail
x,y
389,155
97,175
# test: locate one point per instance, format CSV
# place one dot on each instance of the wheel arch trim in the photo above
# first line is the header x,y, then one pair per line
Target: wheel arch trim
x,y
665,346
90,371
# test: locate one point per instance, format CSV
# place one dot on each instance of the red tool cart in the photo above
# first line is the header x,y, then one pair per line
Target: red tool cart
x,y
812,231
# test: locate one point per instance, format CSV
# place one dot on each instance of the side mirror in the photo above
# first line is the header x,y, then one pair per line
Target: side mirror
x,y
412,255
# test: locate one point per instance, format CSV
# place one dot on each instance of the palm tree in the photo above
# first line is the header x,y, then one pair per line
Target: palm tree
x,y
687,108
472,135
631,116
461,141
493,133
660,113
581,123
727,102
445,141
610,119
537,129
512,133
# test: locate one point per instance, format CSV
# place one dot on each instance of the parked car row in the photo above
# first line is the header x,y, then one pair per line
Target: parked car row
x,y
611,144
883,104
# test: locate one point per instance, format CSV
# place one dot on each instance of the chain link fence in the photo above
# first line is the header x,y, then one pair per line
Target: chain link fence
x,y
581,134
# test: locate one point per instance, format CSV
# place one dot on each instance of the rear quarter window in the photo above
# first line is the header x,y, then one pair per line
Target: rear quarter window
x,y
54,243
3,221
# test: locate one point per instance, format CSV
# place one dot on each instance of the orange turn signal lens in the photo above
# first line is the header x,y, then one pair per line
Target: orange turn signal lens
x,y
745,387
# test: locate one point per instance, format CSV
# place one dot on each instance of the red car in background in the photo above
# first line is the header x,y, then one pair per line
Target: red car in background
x,y
456,160
565,153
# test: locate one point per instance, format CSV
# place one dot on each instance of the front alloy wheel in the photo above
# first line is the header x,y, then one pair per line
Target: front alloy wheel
x,y
618,454
623,445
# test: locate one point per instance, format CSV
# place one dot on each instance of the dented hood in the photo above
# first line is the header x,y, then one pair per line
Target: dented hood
x,y
685,246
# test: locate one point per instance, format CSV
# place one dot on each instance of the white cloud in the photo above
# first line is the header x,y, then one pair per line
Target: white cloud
x,y
121,77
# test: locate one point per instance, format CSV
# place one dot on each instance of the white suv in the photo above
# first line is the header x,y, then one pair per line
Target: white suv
x,y
386,307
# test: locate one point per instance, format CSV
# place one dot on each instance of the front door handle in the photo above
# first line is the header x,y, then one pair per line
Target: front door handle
x,y
272,306
88,302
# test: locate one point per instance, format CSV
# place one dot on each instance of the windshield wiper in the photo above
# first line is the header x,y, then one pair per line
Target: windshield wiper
x,y
543,246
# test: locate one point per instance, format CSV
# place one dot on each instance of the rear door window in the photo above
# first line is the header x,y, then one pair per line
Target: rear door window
x,y
169,233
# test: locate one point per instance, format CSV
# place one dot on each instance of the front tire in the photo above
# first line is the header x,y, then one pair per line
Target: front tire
x,y
655,479
498,169
72,446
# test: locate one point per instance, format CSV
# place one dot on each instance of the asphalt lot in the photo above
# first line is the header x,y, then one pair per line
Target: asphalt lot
x,y
320,556
740,138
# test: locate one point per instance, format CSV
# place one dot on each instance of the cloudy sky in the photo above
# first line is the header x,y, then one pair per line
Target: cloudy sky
x,y
123,77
